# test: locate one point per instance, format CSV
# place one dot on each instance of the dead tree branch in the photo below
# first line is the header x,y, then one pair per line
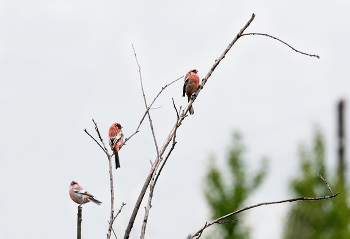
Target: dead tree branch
x,y
116,215
144,99
154,179
199,232
148,109
158,160
109,156
95,140
170,136
324,180
263,34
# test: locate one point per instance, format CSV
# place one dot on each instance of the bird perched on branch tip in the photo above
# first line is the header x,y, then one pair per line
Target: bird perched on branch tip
x,y
190,86
116,140
81,196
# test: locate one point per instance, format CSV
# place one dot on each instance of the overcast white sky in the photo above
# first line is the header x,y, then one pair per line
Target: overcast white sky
x,y
63,63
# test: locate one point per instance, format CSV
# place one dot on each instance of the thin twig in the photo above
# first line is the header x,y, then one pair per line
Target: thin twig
x,y
148,208
326,183
110,176
95,140
166,158
172,132
149,107
172,146
177,113
227,222
113,231
155,108
263,34
153,184
144,99
110,180
144,224
262,204
123,204
99,135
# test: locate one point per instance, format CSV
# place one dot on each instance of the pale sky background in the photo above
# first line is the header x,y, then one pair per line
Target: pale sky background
x,y
63,63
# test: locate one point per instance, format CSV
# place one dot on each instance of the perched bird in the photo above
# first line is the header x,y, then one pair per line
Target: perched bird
x,y
116,140
81,196
190,86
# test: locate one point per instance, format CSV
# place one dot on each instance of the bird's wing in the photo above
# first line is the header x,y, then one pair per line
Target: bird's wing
x,y
114,140
83,192
185,85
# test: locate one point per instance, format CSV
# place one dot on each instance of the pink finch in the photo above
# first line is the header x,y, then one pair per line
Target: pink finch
x,y
116,140
81,196
190,86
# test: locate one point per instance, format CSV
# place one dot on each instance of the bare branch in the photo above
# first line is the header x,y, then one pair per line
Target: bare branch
x,y
155,108
144,115
110,227
199,232
153,184
166,158
144,98
99,135
263,34
111,220
170,136
326,183
149,205
95,141
177,113
227,222
123,204
114,233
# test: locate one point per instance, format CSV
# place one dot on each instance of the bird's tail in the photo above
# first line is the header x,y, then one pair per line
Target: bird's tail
x,y
94,200
117,163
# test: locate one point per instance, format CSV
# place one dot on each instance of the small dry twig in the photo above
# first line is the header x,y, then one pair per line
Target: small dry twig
x,y
110,176
324,180
263,34
144,99
154,179
123,204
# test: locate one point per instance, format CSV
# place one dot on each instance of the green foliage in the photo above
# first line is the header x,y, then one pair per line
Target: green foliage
x,y
323,219
227,191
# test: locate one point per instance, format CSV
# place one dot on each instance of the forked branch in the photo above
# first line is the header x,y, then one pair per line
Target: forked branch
x,y
109,156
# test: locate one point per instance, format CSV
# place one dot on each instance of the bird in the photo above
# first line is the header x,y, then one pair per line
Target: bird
x,y
116,140
190,86
81,196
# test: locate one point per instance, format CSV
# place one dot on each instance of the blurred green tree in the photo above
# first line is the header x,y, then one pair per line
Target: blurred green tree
x,y
227,190
323,219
